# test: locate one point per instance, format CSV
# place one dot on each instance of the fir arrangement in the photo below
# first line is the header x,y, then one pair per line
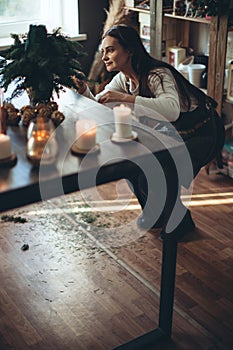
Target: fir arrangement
x,y
40,63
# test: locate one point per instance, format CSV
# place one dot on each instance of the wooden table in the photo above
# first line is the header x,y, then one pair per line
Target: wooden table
x,y
23,184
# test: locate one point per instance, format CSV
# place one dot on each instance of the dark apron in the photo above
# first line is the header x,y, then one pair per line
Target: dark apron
x,y
203,132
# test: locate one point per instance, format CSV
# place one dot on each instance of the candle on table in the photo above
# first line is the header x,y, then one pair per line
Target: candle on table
x,y
36,144
85,134
42,145
123,121
5,146
2,114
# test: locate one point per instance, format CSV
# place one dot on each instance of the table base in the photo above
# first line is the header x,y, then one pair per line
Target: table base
x,y
167,286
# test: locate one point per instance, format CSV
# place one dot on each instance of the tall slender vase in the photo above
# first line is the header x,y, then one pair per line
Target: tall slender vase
x,y
35,96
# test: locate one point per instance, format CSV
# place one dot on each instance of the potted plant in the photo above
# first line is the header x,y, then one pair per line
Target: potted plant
x,y
40,63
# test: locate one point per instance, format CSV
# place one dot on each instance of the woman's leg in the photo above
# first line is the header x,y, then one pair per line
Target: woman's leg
x,y
150,217
164,207
177,219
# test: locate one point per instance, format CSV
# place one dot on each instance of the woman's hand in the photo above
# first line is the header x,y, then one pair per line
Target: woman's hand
x,y
116,96
81,85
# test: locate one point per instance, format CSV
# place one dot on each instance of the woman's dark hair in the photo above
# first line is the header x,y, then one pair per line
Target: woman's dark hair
x,y
143,64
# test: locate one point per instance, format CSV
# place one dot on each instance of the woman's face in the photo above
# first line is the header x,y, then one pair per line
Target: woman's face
x,y
115,57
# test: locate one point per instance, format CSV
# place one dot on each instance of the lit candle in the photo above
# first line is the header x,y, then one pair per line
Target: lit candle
x,y
85,134
123,121
5,146
2,114
42,146
36,144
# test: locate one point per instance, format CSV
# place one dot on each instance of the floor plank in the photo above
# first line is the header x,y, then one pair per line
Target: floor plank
x,y
91,279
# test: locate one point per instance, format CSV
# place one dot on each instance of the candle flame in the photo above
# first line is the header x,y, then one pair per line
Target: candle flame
x,y
41,135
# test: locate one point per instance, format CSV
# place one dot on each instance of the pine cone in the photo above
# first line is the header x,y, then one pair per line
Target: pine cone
x,y
44,112
53,105
27,113
57,118
12,114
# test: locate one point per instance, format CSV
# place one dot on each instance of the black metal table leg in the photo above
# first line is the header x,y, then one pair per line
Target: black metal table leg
x,y
167,287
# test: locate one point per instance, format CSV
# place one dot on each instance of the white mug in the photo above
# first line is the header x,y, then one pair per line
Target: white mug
x,y
195,71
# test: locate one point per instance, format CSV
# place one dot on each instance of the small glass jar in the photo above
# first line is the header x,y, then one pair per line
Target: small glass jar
x,y
42,146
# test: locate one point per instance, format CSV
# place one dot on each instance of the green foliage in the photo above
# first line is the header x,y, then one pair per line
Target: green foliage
x,y
42,62
15,219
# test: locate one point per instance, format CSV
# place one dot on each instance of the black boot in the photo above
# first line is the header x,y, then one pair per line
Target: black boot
x,y
185,226
146,222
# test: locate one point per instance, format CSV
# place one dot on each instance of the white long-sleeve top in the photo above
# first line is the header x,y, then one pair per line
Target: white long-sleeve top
x,y
165,104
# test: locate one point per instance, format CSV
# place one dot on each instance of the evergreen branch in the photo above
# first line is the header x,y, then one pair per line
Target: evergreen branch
x,y
42,61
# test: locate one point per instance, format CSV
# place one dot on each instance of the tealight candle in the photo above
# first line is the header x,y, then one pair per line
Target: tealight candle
x,y
85,134
123,121
5,146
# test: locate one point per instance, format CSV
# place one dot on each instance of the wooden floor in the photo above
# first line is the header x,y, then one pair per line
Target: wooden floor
x,y
90,280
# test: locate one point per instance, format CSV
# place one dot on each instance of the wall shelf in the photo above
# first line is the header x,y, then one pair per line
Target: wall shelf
x,y
136,9
187,18
218,30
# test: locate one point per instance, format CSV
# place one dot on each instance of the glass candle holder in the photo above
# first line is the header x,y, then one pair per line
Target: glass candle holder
x,y
41,145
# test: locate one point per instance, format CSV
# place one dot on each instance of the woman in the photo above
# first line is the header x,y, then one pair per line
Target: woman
x,y
153,85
